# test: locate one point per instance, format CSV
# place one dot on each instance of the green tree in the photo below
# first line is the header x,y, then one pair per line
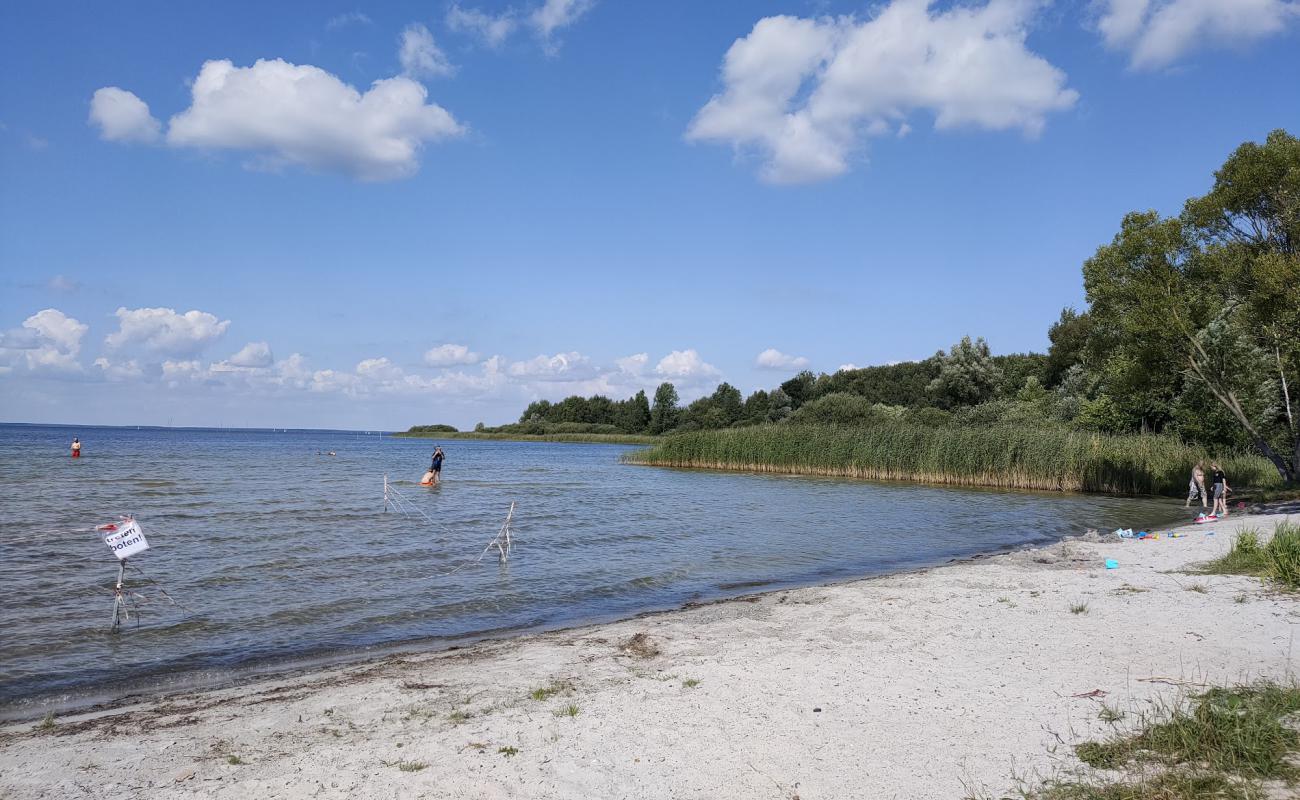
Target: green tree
x,y
537,411
664,413
799,389
967,375
726,398
1213,297
1069,338
633,414
756,406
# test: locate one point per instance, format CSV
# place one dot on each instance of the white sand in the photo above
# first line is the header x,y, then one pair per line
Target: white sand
x,y
966,673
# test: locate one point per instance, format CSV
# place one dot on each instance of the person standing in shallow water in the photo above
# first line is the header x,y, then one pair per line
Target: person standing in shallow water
x,y
436,466
76,448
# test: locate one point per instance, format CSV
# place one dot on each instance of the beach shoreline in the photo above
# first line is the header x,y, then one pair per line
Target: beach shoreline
x,y
914,683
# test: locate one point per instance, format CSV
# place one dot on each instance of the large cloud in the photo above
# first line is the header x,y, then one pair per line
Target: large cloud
x,y
48,340
299,115
420,55
804,93
122,117
1159,32
162,330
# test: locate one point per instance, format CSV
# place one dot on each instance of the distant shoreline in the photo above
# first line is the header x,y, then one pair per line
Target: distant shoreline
x,y
571,438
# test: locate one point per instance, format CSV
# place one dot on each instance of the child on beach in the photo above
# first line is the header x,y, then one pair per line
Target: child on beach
x,y
1219,484
1196,487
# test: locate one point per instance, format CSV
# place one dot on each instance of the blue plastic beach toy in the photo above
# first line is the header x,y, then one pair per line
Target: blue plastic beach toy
x,y
1112,563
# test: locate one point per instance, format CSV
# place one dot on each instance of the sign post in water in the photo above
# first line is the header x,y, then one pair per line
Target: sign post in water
x,y
125,539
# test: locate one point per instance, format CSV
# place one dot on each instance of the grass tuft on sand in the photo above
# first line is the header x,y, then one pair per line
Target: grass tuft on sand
x,y
1277,561
1234,743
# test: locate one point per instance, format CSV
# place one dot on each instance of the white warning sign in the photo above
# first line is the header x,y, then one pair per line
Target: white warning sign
x,y
124,538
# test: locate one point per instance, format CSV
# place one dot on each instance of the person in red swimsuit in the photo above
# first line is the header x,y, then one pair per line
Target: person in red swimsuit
x,y
76,448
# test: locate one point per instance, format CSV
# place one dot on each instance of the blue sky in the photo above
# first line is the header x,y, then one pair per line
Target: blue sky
x,y
603,196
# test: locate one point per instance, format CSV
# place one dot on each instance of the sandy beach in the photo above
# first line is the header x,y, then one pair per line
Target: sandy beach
x,y
920,685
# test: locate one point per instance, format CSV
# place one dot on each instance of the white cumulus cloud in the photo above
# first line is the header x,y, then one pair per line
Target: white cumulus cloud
x,y
571,366
685,365
162,330
771,358
493,29
48,340
804,94
123,117
287,114
254,355
420,55
1159,32
447,355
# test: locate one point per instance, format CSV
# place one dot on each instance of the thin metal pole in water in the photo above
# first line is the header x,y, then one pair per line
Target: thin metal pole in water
x,y
117,595
385,492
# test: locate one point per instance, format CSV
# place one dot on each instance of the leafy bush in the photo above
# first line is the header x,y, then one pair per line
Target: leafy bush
x,y
839,408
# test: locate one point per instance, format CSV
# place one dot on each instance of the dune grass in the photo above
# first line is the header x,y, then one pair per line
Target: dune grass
x,y
1051,459
1230,743
1278,560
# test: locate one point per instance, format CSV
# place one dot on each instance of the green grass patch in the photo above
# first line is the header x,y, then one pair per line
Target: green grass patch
x,y
1078,608
691,683
410,766
547,692
508,751
1278,560
1237,743
1236,731
568,711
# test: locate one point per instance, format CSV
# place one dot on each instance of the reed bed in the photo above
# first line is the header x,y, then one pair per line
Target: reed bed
x,y
1047,459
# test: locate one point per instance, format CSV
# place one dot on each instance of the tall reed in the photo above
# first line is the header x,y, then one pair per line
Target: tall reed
x,y
1053,459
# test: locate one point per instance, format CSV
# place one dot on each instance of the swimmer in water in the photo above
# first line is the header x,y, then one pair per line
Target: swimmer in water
x,y
76,448
429,478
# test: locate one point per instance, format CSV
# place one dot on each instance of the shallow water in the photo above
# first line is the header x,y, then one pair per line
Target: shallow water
x,y
276,553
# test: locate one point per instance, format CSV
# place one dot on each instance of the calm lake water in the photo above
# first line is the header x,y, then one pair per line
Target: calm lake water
x,y
280,555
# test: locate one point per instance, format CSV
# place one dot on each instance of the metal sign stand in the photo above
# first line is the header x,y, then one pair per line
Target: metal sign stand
x,y
119,601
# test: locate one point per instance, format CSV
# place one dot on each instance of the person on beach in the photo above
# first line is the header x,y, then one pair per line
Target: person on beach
x,y
1196,487
1219,491
436,466
76,447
